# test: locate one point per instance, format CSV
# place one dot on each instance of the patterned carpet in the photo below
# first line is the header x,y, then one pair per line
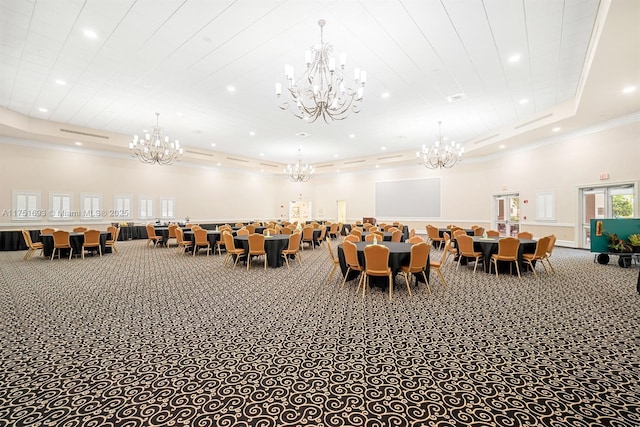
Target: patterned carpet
x,y
145,337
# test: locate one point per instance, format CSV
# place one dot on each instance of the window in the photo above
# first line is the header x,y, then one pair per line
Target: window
x,y
146,207
167,208
26,206
122,207
60,207
545,206
90,205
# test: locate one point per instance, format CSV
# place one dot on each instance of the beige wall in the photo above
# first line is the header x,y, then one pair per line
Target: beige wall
x,y
215,194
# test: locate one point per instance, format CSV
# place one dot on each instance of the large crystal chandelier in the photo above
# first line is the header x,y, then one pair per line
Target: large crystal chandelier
x,y
299,172
440,155
155,148
321,91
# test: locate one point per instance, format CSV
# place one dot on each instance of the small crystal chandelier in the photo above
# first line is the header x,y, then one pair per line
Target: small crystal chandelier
x,y
439,155
155,148
299,172
321,91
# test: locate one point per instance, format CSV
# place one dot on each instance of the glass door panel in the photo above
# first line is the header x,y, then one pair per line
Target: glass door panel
x,y
605,202
507,214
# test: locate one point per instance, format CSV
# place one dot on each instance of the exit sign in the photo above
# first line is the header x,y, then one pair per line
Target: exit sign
x,y
604,175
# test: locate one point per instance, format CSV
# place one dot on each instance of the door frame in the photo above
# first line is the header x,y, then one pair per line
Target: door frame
x,y
494,209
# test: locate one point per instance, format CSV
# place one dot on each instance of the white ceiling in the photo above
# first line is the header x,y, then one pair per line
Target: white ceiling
x,y
180,57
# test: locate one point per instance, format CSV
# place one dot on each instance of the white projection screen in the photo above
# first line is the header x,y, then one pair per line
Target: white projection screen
x,y
413,198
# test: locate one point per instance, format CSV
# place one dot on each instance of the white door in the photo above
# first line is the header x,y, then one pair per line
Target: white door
x,y
507,214
617,201
342,211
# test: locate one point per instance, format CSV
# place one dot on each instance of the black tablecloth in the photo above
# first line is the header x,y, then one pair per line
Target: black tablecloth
x,y
399,255
76,240
272,245
12,240
489,246
132,232
386,236
212,236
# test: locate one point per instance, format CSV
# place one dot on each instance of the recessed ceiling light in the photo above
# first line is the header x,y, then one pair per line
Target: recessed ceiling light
x,y
556,129
213,144
383,148
502,146
61,82
179,114
523,101
252,133
514,58
78,143
218,164
377,166
353,135
261,154
629,89
90,34
385,95
337,170
302,134
335,155
42,110
231,88
261,170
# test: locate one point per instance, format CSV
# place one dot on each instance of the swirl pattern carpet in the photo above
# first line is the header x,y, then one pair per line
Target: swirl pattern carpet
x,y
146,337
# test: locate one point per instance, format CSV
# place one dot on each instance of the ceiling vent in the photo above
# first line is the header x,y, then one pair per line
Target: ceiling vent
x,y
390,157
457,97
352,162
495,135
330,165
75,132
199,153
269,165
233,159
533,121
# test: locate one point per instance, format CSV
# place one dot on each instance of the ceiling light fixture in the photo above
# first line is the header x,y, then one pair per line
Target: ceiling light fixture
x,y
440,155
299,172
155,148
321,91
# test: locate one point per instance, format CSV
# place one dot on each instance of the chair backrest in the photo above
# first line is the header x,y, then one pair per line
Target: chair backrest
x,y
356,231
91,237
294,242
179,235
285,230
47,231
419,256
376,259
323,233
307,232
552,243
251,228
493,233
228,241
415,239
465,243
446,236
243,232
542,246
334,228
525,235
412,232
239,224
27,238
445,252
172,230
432,232
61,237
79,229
256,243
353,238
478,231
112,230
369,237
151,231
331,255
200,236
508,247
396,236
458,232
270,231
350,254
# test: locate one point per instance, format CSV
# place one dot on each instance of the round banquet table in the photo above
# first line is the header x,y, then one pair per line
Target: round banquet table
x,y
489,246
75,240
273,245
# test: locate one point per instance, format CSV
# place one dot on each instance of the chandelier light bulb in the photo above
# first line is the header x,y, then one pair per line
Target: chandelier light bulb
x,y
440,155
155,148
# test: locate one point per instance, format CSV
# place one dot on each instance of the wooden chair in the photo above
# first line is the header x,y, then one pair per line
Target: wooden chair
x,y
183,244
32,247
251,228
323,235
541,252
151,235
478,231
256,248
201,241
269,231
412,232
396,236
172,233
525,235
493,233
47,230
507,251
91,240
292,249
334,230
61,241
350,251
437,266
465,250
417,264
450,251
415,239
220,241
232,251
286,230
242,232
354,238
307,236
334,260
376,261
114,232
552,244
434,236
79,229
